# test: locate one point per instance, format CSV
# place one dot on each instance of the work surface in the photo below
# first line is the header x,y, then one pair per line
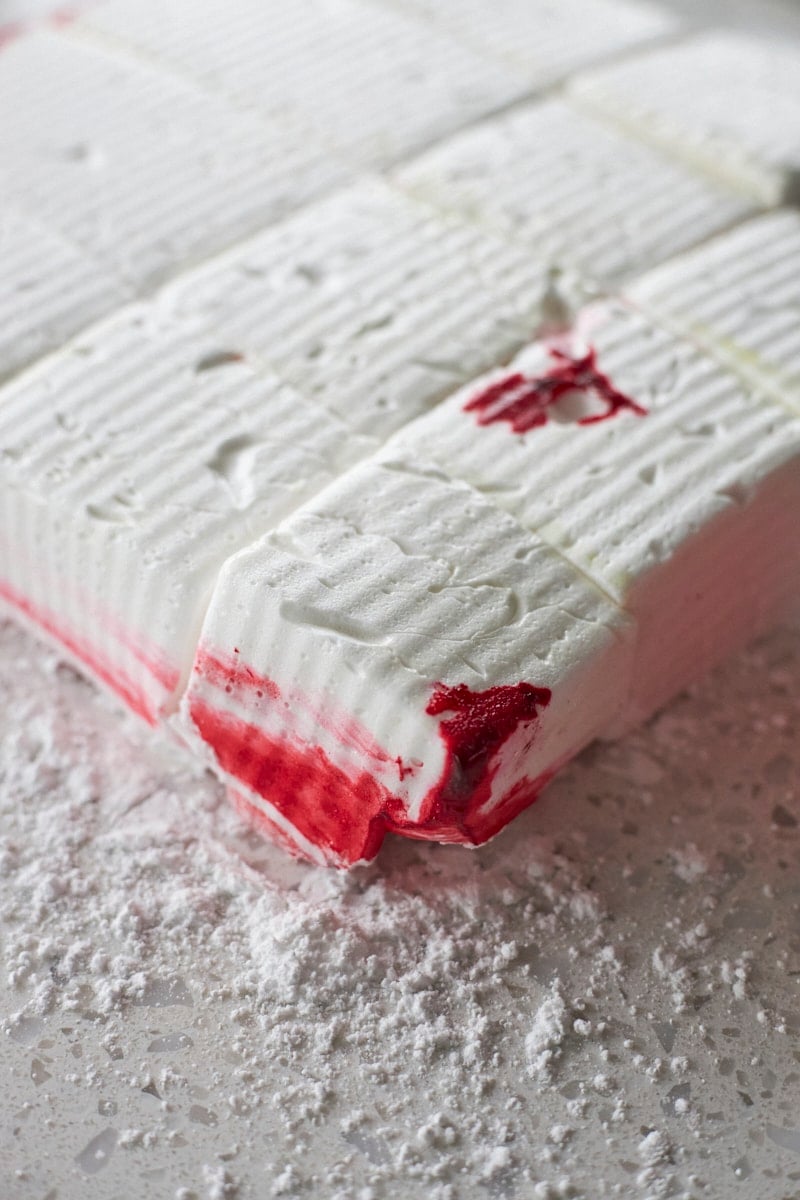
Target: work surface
x,y
604,1001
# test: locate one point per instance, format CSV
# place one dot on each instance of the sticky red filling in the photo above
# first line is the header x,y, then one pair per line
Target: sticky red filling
x,y
481,723
347,812
339,812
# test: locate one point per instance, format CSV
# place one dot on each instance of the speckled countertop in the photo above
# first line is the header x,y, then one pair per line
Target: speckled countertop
x,y
604,1001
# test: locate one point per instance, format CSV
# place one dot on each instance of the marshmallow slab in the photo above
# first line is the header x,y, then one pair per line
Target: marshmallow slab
x,y
143,172
137,459
668,481
727,101
251,499
375,83
399,655
739,298
579,193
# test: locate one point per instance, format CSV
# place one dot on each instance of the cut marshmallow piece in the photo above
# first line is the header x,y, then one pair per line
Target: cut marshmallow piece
x,y
547,40
48,291
142,172
727,101
140,457
376,83
402,655
670,483
577,192
739,298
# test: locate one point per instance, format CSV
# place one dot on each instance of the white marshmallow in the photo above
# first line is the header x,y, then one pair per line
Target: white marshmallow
x,y
49,290
739,298
376,83
685,514
143,172
577,192
726,101
371,303
547,40
198,498
136,460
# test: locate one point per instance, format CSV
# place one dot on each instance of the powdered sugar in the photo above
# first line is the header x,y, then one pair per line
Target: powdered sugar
x,y
544,1043
570,1011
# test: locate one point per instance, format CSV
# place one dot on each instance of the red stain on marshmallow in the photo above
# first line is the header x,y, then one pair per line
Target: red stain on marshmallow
x,y
483,721
344,813
480,725
524,402
97,664
229,674
345,808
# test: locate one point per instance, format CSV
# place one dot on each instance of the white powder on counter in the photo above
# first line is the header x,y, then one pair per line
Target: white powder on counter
x,y
193,1011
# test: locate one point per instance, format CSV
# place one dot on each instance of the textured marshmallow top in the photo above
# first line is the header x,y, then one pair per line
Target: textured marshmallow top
x,y
618,496
727,101
544,39
370,303
664,503
49,289
576,191
373,81
739,298
143,172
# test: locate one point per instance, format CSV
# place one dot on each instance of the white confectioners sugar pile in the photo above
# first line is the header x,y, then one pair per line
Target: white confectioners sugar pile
x,y
396,397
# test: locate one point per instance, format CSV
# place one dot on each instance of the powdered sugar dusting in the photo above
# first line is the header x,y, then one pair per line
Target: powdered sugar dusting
x,y
592,1005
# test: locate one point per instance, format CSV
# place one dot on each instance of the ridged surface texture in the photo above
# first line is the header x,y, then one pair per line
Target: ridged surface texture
x,y
543,39
575,190
142,171
324,63
372,304
394,580
49,289
726,101
164,439
739,298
